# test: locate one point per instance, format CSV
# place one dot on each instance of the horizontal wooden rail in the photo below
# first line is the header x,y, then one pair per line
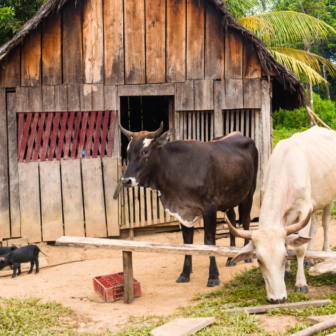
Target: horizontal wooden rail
x,y
149,247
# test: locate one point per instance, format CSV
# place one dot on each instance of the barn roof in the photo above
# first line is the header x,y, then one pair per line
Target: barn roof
x,y
290,82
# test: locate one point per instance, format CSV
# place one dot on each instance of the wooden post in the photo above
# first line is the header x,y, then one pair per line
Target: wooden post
x,y
128,277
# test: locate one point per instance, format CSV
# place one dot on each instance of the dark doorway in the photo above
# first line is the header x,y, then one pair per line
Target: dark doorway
x,y
143,113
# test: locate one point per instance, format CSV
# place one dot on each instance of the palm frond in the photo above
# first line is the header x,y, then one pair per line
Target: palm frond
x,y
299,68
262,28
239,8
312,60
294,26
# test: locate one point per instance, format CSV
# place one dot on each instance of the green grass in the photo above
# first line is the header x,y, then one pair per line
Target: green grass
x,y
29,317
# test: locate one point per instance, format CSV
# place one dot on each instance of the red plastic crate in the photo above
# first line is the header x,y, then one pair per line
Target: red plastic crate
x,y
111,287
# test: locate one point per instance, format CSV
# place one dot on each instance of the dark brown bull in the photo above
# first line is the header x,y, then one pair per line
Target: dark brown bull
x,y
195,179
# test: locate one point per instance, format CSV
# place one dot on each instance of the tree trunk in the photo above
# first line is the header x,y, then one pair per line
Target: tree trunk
x,y
324,70
310,91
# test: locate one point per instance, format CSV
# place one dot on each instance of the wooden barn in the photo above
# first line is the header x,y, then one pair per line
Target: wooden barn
x,y
79,67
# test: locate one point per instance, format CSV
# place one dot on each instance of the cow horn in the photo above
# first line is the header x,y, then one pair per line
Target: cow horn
x,y
158,132
297,227
246,234
125,132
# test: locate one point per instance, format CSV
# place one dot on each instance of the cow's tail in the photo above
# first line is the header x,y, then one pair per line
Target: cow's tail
x,y
41,251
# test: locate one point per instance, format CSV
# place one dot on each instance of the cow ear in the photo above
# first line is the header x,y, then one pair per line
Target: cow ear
x,y
296,240
163,139
13,247
245,253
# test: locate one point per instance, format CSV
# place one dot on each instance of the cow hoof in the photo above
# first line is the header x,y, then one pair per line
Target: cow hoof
x,y
303,289
182,279
307,264
213,282
248,260
36,272
29,272
229,263
13,276
287,274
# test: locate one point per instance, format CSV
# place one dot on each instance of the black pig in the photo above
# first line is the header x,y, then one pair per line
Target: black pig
x,y
6,250
24,254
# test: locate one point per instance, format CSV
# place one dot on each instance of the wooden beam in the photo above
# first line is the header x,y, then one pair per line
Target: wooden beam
x,y
4,195
147,90
252,93
10,69
128,277
203,95
328,324
234,94
138,246
264,309
219,100
233,54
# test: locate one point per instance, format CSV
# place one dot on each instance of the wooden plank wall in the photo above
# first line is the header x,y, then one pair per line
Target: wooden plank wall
x,y
130,42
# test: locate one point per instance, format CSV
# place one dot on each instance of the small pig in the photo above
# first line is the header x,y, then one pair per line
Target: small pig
x,y
24,254
6,250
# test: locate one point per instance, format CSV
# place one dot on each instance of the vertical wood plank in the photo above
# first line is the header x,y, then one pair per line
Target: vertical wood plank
x,y
86,97
126,203
95,220
176,37
237,120
72,42
128,277
35,99
184,96
194,126
142,206
51,50
131,206
30,202
31,59
72,198
234,92
204,95
248,133
252,123
214,44
198,125
4,168
61,98
10,69
111,133
134,22
51,200
252,66
218,108
136,206
111,98
22,100
97,97
93,43
227,123
195,39
161,211
148,206
233,54
25,137
155,41
189,125
103,142
114,42
110,166
252,94
154,205
74,97
242,122
48,99
185,125
232,115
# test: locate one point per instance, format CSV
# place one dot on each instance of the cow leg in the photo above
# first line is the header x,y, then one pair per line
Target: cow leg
x,y
325,224
312,233
210,225
31,267
301,281
36,265
232,218
245,215
188,238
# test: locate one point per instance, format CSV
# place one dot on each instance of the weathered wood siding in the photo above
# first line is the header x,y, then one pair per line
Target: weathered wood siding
x,y
130,42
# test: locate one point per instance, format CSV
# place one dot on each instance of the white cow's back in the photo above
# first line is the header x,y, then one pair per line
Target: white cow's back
x,y
301,170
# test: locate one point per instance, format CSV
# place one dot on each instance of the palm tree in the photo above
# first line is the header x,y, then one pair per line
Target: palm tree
x,y
282,32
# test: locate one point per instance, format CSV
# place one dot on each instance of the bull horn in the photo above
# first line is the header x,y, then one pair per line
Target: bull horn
x,y
246,234
158,132
297,227
124,131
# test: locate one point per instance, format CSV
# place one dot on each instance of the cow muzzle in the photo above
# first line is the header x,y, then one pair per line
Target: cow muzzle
x,y
274,301
129,182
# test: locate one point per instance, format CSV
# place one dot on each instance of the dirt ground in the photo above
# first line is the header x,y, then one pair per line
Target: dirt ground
x,y
72,284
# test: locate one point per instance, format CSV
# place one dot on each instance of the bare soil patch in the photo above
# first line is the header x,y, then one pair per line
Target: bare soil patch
x,y
72,284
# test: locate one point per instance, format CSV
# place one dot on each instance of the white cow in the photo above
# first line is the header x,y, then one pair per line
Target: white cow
x,y
300,178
